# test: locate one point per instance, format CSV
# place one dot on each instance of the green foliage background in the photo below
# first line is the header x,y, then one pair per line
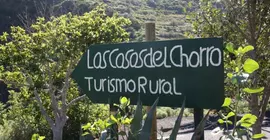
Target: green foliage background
x,y
27,52
28,59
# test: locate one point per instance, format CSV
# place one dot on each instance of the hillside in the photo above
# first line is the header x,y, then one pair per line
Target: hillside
x,y
169,15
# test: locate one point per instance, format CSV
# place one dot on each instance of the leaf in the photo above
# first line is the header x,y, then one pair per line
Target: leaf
x,y
229,122
240,50
230,115
123,100
114,119
250,65
200,128
248,120
220,121
248,117
257,136
136,122
229,47
85,133
128,103
227,102
236,69
178,122
246,124
184,10
234,80
87,126
29,81
108,124
189,4
247,49
251,91
37,137
41,138
230,75
127,121
34,136
116,105
146,130
241,132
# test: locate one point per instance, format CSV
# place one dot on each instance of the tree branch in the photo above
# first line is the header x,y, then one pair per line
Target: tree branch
x,y
233,22
64,91
75,100
54,103
262,21
42,109
209,23
264,103
251,7
66,85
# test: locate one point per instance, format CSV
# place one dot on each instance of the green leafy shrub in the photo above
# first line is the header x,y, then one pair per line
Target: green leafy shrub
x,y
240,77
6,128
36,60
161,114
134,128
37,137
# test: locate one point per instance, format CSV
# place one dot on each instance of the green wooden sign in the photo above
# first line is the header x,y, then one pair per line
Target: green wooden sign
x,y
166,69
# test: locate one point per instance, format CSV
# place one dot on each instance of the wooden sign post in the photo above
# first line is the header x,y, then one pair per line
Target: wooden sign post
x,y
150,35
198,117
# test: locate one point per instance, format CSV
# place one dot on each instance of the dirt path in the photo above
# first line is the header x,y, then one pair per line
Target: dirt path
x,y
187,127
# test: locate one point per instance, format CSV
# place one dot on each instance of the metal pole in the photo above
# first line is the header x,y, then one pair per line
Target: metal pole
x,y
150,35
